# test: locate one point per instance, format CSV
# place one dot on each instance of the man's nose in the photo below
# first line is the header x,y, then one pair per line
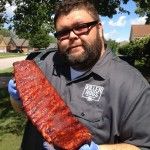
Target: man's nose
x,y
72,34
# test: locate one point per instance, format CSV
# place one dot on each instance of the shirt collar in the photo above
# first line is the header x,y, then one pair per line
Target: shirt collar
x,y
74,73
101,67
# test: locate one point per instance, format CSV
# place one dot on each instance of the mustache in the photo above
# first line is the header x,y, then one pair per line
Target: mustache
x,y
74,46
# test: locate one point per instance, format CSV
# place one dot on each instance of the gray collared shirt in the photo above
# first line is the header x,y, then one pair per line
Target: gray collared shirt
x,y
112,99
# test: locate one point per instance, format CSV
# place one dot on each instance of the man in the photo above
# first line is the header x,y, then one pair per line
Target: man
x,y
105,93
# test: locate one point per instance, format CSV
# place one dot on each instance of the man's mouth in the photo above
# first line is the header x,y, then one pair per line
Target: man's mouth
x,y
74,49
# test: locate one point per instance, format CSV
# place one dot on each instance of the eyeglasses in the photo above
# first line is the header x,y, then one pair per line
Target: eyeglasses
x,y
78,30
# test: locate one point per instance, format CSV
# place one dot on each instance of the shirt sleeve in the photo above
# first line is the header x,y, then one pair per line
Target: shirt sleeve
x,y
135,123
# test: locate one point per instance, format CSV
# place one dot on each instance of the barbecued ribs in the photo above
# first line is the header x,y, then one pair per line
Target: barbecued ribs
x,y
46,109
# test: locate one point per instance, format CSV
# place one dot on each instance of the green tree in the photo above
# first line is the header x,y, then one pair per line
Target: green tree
x,y
143,9
37,39
138,49
5,33
33,19
113,7
113,45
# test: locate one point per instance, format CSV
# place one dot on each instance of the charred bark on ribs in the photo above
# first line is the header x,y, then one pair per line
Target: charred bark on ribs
x,y
46,109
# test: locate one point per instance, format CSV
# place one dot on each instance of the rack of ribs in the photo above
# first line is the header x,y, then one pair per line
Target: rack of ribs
x,y
46,109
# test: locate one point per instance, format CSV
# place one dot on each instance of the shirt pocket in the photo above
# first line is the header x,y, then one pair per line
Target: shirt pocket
x,y
90,115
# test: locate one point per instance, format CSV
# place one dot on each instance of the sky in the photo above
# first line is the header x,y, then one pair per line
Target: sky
x,y
116,28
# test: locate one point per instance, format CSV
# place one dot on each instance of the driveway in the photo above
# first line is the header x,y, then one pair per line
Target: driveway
x,y
8,62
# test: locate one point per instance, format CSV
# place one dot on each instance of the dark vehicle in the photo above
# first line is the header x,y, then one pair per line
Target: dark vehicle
x,y
128,59
40,54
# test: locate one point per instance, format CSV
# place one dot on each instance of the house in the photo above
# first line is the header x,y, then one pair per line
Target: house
x,y
14,45
139,31
22,45
3,47
8,44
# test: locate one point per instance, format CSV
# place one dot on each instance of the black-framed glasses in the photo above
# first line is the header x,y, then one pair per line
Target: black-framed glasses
x,y
78,30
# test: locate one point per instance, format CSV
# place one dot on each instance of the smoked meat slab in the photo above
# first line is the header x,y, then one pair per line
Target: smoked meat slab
x,y
46,109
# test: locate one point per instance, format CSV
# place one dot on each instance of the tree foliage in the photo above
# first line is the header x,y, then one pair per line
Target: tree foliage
x,y
138,49
113,45
113,7
3,16
32,16
143,9
37,40
5,32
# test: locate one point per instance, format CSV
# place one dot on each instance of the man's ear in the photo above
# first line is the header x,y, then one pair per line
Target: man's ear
x,y
100,28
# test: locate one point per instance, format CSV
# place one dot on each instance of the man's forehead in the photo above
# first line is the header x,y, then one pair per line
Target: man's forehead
x,y
79,15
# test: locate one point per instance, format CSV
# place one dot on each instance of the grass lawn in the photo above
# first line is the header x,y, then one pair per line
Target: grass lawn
x,y
8,55
11,123
6,72
10,142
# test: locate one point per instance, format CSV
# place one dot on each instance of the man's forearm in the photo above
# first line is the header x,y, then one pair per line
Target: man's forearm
x,y
17,106
118,147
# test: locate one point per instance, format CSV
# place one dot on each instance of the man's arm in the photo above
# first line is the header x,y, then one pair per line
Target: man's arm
x,y
14,96
122,146
17,106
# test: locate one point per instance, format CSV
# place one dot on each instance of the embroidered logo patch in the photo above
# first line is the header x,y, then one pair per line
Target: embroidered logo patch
x,y
92,92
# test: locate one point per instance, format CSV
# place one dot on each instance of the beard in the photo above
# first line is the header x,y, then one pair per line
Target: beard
x,y
88,58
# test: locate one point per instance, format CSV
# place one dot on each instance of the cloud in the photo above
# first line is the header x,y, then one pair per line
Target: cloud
x,y
110,35
119,23
115,35
140,20
121,40
10,10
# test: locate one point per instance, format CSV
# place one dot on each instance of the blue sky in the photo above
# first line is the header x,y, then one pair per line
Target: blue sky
x,y
116,28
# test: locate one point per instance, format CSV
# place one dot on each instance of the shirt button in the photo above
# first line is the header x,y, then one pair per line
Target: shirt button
x,y
82,114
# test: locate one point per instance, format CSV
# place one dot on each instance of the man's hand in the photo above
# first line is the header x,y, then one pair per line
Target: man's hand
x,y
12,90
92,146
47,146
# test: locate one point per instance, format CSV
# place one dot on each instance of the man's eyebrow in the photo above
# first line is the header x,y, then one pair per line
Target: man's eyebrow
x,y
65,27
78,23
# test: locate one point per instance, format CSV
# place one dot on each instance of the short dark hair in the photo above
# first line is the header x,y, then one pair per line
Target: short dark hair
x,y
64,7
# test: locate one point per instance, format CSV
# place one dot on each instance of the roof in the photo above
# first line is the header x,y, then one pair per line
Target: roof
x,y
26,43
19,42
1,38
138,31
7,40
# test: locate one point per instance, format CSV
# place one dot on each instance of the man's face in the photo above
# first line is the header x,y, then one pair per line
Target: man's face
x,y
82,50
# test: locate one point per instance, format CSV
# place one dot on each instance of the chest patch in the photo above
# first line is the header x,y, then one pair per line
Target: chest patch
x,y
92,92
